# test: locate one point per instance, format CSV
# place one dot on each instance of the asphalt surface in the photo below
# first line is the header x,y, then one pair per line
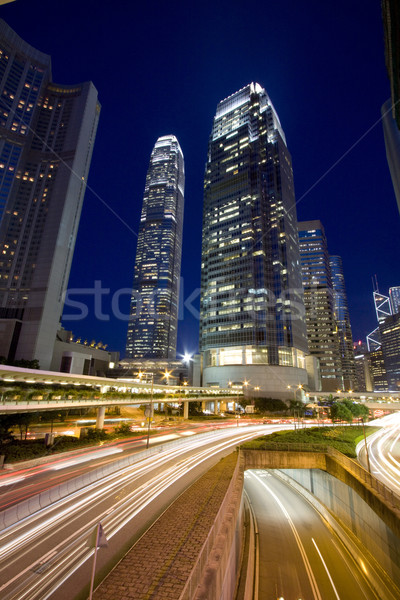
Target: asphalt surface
x,y
49,554
300,558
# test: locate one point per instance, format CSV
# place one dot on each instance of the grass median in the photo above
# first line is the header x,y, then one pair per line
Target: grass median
x,y
314,439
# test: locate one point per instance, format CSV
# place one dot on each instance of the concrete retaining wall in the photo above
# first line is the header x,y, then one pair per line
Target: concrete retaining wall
x,y
356,514
357,499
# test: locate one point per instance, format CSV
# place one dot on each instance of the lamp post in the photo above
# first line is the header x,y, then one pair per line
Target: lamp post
x,y
166,375
185,383
300,387
366,445
149,410
289,387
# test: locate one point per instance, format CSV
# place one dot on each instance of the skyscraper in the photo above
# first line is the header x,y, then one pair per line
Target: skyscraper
x,y
252,313
390,336
394,295
152,328
391,108
47,133
343,322
322,329
391,29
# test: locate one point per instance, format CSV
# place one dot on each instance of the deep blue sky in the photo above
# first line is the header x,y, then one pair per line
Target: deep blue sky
x,y
162,67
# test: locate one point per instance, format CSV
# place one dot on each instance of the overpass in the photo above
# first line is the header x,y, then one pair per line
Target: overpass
x,y
374,400
100,392
97,392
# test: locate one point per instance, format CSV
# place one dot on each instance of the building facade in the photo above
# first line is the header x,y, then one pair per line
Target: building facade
x,y
152,329
377,370
391,108
342,316
394,295
319,299
47,133
252,326
390,336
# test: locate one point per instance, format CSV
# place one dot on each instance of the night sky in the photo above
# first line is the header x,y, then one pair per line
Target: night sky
x,y
161,68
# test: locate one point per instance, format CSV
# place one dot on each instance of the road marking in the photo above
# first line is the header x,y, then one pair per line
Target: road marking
x,y
326,569
313,583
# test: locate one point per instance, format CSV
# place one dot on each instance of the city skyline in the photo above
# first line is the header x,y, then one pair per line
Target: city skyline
x,y
327,119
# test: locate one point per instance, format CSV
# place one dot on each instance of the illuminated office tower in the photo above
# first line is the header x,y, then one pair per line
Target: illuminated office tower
x,y
252,326
47,133
152,328
391,108
322,329
394,295
343,322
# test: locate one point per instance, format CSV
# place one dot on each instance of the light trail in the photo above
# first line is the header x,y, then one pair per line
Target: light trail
x,y
326,569
86,458
37,572
381,445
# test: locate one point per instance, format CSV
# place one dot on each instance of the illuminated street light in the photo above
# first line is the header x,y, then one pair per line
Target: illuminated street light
x,y
167,375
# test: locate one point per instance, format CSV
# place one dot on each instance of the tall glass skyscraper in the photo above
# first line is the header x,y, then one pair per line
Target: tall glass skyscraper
x,y
252,323
152,328
322,328
47,133
342,314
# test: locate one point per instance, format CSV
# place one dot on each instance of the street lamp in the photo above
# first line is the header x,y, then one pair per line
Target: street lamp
x,y
366,445
289,387
149,410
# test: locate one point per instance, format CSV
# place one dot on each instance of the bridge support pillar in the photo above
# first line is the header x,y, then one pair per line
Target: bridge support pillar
x,y
216,410
101,411
186,410
204,405
223,406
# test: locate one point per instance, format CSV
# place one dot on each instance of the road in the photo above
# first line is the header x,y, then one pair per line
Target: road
x,y
25,482
47,554
384,451
300,558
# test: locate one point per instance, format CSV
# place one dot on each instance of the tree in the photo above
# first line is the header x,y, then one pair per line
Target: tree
x,y
340,412
6,424
27,364
263,405
22,421
357,410
195,409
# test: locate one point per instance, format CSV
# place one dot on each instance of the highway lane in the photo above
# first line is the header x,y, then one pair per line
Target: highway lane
x,y
25,482
47,554
300,558
384,451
